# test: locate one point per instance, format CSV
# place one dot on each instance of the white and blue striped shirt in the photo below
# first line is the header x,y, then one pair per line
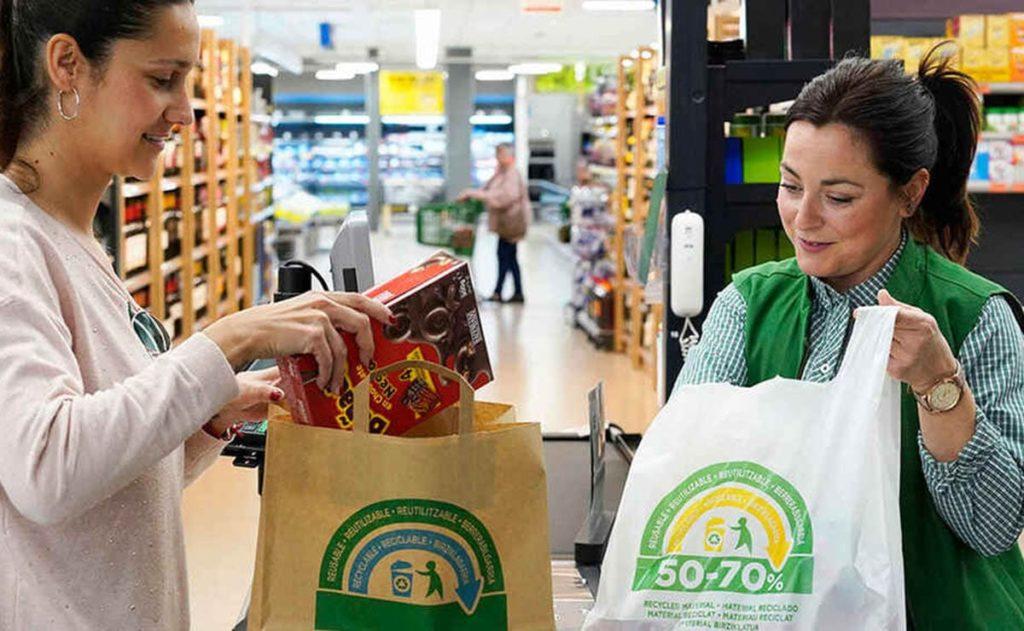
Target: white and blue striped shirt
x,y
980,495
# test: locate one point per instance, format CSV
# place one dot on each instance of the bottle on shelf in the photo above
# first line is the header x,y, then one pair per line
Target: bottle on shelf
x,y
136,235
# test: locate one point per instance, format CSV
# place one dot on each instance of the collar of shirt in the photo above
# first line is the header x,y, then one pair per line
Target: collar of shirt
x,y
864,294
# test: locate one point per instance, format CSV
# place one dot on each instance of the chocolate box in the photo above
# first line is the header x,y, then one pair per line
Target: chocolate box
x,y
436,320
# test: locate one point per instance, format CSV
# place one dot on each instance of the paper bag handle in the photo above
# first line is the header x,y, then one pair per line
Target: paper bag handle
x,y
361,393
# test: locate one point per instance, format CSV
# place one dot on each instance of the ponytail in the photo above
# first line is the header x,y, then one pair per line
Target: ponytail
x,y
946,219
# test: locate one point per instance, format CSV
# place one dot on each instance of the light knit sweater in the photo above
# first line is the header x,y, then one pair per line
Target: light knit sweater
x,y
97,438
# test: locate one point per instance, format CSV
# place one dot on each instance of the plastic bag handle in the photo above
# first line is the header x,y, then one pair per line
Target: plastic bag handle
x,y
361,393
867,352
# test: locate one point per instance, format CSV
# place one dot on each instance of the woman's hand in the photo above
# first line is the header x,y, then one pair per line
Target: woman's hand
x,y
304,324
469,193
256,390
920,355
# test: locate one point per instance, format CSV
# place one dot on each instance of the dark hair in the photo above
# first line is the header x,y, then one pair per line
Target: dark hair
x,y
26,26
928,121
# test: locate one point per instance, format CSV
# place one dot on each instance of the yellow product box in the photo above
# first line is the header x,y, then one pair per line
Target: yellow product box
x,y
972,31
998,65
1017,64
915,50
887,47
997,31
1016,30
975,63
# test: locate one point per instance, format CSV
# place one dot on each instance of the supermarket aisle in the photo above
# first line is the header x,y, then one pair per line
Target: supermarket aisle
x,y
542,365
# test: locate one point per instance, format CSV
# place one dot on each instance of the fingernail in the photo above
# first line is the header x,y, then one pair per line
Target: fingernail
x,y
392,319
276,395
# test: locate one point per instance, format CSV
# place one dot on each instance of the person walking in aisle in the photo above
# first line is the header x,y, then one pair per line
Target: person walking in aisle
x,y
104,425
508,215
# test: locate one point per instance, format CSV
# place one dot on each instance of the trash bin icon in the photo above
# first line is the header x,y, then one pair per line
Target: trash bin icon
x,y
714,535
401,579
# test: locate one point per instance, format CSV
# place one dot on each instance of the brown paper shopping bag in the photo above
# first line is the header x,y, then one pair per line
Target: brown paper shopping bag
x,y
444,530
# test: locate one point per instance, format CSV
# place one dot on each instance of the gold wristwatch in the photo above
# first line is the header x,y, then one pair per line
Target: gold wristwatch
x,y
945,394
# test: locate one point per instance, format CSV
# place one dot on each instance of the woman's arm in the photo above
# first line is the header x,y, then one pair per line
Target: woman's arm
x,y
62,451
980,493
720,356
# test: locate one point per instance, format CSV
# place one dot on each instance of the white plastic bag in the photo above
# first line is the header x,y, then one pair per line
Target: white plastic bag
x,y
771,507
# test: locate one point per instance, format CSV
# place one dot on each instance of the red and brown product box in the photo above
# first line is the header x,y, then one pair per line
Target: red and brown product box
x,y
436,320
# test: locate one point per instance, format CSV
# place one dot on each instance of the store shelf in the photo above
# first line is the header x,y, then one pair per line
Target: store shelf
x,y
1016,138
137,281
1001,88
262,119
199,252
604,171
604,121
263,215
171,266
752,83
995,188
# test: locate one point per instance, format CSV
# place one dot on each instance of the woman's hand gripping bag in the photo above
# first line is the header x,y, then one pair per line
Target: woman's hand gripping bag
x,y
770,507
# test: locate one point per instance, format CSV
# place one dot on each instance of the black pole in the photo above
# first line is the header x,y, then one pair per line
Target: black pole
x,y
686,134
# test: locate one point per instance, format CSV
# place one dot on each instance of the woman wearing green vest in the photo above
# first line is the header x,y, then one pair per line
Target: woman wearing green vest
x,y
873,196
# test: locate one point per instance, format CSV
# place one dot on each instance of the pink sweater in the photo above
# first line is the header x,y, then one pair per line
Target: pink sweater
x,y
97,438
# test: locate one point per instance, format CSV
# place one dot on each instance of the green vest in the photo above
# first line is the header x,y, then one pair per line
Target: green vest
x,y
948,585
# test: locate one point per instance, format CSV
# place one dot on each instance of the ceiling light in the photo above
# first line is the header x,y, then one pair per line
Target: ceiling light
x,y
534,68
618,5
263,68
334,75
494,75
428,37
210,21
357,67
341,119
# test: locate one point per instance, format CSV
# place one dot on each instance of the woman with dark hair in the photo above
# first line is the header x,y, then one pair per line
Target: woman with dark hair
x,y
103,424
874,197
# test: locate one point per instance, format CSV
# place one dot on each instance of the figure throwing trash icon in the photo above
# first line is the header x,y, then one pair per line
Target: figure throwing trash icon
x,y
435,584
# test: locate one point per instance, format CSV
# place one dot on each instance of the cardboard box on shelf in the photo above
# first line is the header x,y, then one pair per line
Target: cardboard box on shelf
x,y
887,47
975,63
998,65
436,319
997,31
1017,64
1016,28
971,31
915,50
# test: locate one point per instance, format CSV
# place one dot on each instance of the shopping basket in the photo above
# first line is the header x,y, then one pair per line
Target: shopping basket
x,y
450,225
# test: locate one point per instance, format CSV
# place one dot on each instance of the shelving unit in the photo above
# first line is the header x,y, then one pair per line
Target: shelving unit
x,y
635,120
200,248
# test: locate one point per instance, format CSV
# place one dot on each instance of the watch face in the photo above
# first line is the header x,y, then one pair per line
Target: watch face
x,y
944,397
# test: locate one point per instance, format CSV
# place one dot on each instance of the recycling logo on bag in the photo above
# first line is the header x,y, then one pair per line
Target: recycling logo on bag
x,y
411,563
730,527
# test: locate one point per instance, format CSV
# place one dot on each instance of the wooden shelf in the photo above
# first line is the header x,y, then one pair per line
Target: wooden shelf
x,y
171,266
137,281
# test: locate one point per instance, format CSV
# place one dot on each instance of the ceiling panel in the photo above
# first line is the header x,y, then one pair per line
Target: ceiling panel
x,y
496,30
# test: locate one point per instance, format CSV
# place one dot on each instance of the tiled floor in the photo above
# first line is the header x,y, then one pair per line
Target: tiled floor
x,y
541,365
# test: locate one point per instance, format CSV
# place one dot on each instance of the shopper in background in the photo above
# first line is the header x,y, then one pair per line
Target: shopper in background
x,y
508,214
103,425
874,197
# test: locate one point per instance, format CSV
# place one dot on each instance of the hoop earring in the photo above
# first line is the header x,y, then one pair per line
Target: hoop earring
x,y
60,104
